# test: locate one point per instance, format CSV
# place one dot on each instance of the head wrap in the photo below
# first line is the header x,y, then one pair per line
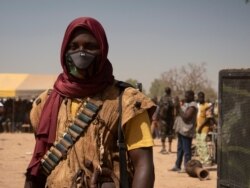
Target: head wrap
x,y
69,87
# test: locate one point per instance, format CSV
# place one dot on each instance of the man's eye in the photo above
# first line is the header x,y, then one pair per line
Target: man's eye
x,y
72,46
91,46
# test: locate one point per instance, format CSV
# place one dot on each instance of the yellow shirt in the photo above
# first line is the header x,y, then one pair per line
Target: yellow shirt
x,y
201,116
137,130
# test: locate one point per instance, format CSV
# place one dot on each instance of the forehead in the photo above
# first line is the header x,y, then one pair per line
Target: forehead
x,y
78,31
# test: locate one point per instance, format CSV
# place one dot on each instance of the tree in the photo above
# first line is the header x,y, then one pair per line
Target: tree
x,y
157,88
192,76
134,82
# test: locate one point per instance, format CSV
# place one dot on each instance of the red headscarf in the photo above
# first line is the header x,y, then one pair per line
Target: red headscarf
x,y
66,86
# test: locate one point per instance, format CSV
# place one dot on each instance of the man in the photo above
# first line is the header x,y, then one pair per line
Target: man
x,y
7,116
166,120
202,129
2,111
185,129
79,123
155,119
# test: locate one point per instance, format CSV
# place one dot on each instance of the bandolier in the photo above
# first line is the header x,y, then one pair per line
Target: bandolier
x,y
85,151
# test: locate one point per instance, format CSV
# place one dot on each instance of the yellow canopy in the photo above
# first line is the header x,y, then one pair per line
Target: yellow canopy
x,y
24,85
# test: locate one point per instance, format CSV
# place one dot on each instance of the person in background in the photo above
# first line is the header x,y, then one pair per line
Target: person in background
x,y
185,130
155,121
204,123
166,120
77,123
2,117
7,122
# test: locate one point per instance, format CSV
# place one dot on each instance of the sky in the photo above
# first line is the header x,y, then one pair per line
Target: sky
x,y
146,38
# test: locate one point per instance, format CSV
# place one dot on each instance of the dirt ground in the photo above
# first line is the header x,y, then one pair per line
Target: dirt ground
x,y
16,151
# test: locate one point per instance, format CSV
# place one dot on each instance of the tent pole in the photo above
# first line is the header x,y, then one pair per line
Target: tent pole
x,y
13,115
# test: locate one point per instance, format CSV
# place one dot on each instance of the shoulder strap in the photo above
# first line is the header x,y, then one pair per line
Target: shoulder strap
x,y
121,141
122,149
123,85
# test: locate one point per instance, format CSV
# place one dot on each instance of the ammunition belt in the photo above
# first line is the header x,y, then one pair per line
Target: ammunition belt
x,y
59,149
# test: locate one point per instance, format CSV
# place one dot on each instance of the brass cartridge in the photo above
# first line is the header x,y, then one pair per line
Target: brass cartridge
x,y
60,147
49,161
80,123
84,117
46,165
88,112
56,152
74,134
94,103
65,143
69,139
76,128
91,106
52,156
45,170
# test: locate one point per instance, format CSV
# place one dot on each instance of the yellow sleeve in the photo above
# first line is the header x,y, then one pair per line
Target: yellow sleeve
x,y
74,107
137,132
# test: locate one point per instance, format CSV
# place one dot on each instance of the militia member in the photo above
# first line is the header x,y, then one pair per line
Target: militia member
x,y
79,122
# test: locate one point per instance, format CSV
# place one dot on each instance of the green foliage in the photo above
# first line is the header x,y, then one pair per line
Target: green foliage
x,y
133,82
156,89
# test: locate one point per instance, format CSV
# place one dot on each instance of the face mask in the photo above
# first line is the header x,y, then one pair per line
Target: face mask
x,y
77,61
80,59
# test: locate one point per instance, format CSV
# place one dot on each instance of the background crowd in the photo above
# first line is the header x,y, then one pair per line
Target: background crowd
x,y
192,120
14,115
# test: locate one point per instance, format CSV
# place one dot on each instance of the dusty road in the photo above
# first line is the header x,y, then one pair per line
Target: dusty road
x,y
16,150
